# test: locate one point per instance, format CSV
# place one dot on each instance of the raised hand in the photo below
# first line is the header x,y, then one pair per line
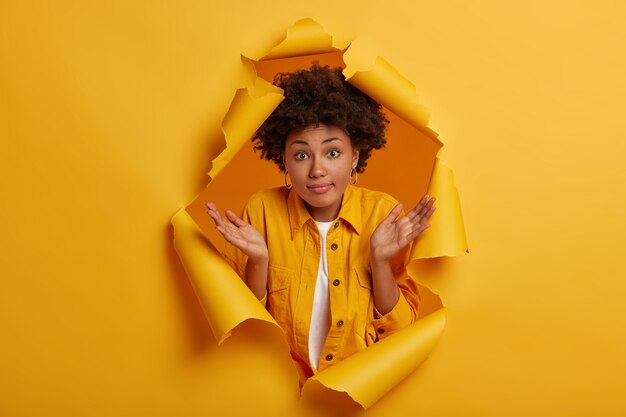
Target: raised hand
x,y
239,233
393,234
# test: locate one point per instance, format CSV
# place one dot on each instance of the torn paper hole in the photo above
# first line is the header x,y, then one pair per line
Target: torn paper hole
x,y
410,157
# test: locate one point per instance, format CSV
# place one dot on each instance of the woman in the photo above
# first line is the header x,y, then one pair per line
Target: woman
x,y
326,258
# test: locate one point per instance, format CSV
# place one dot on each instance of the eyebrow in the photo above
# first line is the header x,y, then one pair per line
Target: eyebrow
x,y
302,142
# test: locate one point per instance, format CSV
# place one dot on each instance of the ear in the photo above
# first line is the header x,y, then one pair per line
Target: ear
x,y
355,158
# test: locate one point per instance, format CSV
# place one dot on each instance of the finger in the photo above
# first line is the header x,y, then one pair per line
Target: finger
x,y
211,206
214,214
409,234
415,233
429,213
427,204
222,231
219,220
393,214
415,212
224,226
425,214
430,203
419,207
234,219
416,220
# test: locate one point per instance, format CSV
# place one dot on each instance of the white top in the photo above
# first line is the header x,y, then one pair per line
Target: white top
x,y
320,315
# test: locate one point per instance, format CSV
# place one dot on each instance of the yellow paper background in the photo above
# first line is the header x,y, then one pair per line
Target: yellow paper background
x,y
109,120
408,158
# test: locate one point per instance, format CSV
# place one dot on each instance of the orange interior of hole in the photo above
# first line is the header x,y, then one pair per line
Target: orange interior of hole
x,y
401,169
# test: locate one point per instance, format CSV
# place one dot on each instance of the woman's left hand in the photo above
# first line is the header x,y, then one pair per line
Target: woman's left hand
x,y
394,234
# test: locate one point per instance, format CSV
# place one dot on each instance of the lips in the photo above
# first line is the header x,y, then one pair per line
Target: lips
x,y
319,188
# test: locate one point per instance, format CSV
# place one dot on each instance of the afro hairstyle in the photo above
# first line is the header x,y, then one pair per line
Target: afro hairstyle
x,y
321,96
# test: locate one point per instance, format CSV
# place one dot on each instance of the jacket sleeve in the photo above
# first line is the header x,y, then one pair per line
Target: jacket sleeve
x,y
235,257
405,310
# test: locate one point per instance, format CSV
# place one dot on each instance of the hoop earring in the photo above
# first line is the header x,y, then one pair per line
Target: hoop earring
x,y
288,186
356,176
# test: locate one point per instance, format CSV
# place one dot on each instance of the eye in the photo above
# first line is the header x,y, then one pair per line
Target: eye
x,y
334,153
301,156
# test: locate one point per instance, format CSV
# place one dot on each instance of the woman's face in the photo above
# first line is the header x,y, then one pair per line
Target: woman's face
x,y
319,160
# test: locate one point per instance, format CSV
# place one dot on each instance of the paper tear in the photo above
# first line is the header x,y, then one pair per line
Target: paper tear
x,y
305,37
392,359
446,235
247,112
388,87
212,278
387,362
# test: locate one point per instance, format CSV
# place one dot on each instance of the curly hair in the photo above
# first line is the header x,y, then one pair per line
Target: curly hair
x,y
321,96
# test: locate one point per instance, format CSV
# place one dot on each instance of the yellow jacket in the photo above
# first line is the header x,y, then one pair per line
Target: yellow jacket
x,y
293,243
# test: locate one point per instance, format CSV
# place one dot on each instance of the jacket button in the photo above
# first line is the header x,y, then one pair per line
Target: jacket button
x,y
336,282
334,246
380,331
336,225
340,323
329,357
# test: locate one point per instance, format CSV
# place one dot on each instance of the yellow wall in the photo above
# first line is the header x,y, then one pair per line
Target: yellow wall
x,y
109,118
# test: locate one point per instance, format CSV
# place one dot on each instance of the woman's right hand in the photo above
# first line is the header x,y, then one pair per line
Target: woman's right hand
x,y
239,233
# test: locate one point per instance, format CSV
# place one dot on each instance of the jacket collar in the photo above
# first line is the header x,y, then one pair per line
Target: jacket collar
x,y
350,210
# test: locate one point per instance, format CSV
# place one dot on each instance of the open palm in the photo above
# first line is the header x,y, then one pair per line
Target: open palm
x,y
393,233
239,233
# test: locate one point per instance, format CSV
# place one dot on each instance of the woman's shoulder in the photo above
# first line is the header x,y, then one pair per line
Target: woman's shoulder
x,y
268,197
374,197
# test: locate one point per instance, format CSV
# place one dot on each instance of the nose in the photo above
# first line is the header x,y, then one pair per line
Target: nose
x,y
317,168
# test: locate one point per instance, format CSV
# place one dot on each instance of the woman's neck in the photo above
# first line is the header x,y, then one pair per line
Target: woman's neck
x,y
324,214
